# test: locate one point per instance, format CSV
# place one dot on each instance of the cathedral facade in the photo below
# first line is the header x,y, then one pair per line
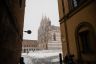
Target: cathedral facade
x,y
49,36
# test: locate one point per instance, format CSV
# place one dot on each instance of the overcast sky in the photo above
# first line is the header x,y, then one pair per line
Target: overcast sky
x,y
34,11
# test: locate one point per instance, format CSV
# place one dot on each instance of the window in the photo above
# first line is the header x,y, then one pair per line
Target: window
x,y
75,3
54,37
85,36
85,41
79,2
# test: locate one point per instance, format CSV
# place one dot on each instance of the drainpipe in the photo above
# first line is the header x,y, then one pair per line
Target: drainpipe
x,y
66,32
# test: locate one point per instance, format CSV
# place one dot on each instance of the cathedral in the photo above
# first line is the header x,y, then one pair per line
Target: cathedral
x,y
49,36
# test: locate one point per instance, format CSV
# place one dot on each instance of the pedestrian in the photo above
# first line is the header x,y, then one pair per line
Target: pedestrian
x,y
22,60
66,59
69,59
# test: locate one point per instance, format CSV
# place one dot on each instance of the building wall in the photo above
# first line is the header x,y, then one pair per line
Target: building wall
x,y
11,27
29,45
69,24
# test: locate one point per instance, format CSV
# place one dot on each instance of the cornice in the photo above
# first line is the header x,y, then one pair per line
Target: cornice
x,y
74,11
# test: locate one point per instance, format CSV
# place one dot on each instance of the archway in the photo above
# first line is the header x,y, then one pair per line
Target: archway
x,y
85,39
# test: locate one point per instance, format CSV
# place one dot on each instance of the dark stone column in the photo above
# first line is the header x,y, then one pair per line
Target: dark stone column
x,y
10,39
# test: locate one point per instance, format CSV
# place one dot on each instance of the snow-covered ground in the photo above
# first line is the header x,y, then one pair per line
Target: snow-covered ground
x,y
42,57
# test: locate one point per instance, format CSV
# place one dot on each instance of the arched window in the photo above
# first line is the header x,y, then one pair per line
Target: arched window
x,y
85,36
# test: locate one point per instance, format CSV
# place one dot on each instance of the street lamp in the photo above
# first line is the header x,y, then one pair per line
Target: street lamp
x,y
28,31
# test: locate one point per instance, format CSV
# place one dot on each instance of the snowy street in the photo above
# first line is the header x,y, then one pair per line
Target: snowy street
x,y
42,57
